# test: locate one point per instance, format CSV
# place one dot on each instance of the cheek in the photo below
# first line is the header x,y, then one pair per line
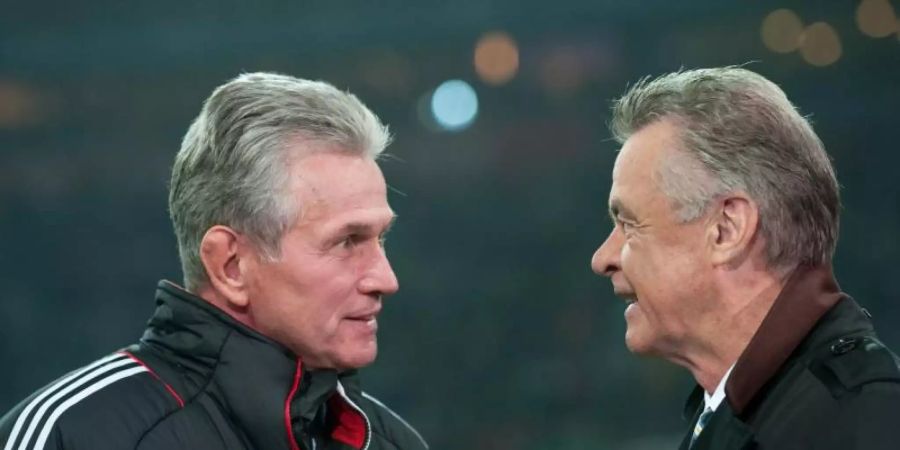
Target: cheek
x,y
649,257
318,292
324,305
650,269
299,301
330,302
638,260
630,263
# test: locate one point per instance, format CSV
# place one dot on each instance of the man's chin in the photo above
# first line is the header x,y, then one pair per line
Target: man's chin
x,y
637,344
357,359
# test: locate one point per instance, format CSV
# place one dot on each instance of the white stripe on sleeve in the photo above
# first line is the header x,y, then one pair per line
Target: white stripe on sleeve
x,y
45,432
23,416
87,377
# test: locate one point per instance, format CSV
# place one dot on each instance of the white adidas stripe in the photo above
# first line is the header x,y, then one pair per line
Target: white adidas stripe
x,y
45,432
87,377
111,363
49,391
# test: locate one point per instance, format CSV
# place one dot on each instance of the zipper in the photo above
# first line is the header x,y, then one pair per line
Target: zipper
x,y
340,390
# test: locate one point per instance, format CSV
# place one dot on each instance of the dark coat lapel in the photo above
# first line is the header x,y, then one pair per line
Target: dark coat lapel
x,y
724,431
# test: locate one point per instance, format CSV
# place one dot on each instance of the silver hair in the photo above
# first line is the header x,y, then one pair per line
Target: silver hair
x,y
230,169
739,132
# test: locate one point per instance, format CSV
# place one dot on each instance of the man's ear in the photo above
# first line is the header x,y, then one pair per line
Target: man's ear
x,y
733,229
224,260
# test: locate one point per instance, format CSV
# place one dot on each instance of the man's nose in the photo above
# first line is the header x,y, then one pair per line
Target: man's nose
x,y
380,278
606,259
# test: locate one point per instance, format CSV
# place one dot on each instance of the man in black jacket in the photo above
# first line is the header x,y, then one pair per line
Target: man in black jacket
x,y
726,217
280,213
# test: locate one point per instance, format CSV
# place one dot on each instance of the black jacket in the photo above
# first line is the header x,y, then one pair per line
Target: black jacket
x,y
200,380
814,376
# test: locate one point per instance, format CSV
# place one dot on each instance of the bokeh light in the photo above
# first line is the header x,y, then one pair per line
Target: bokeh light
x,y
820,45
387,71
496,58
20,105
876,18
454,105
781,31
562,70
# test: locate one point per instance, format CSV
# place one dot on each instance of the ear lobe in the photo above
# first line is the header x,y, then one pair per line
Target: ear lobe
x,y
734,229
219,251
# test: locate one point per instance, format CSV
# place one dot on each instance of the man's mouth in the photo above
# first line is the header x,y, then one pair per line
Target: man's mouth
x,y
367,324
368,317
625,294
363,318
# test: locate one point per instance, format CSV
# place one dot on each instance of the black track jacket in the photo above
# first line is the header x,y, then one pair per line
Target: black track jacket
x,y
200,380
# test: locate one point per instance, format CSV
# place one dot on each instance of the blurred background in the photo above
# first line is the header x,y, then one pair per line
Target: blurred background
x,y
500,337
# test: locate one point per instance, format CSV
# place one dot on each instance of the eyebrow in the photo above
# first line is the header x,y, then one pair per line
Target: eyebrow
x,y
617,209
364,227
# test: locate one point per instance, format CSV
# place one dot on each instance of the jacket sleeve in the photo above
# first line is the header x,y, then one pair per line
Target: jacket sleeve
x,y
108,404
18,429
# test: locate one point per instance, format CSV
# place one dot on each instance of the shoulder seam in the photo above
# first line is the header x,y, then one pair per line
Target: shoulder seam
x,y
168,387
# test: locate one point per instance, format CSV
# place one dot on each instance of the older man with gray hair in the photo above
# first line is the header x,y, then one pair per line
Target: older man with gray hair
x,y
280,211
725,209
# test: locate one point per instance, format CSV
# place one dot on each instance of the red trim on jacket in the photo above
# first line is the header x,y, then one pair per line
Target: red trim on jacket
x,y
166,385
287,407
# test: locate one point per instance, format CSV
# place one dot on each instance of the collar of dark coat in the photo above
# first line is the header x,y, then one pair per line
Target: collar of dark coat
x,y
251,374
808,294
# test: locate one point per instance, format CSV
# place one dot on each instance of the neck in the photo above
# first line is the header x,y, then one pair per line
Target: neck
x,y
747,294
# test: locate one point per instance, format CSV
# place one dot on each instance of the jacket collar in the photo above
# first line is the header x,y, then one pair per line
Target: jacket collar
x,y
262,383
809,293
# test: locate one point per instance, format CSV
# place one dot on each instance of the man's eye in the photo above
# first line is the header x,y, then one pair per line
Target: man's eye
x,y
350,241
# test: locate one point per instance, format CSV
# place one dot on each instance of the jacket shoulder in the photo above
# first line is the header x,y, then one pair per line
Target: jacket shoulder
x,y
850,364
390,427
863,377
108,404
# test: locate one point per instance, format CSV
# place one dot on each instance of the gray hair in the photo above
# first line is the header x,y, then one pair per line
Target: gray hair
x,y
231,167
739,132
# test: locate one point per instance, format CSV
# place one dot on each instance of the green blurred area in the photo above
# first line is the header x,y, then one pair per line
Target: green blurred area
x,y
500,337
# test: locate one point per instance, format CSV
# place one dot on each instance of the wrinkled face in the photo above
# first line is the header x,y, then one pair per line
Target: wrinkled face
x,y
322,297
658,265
